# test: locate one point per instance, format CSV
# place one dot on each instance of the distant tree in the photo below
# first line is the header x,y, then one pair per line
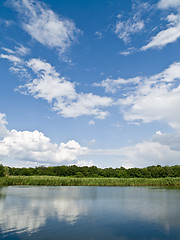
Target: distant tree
x,y
73,170
79,175
6,171
1,171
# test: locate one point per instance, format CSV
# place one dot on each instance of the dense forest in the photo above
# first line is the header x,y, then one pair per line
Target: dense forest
x,y
74,171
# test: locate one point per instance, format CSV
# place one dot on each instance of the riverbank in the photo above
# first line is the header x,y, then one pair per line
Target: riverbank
x,y
70,181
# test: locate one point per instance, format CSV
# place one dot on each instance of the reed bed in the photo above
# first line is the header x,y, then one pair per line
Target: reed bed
x,y
70,181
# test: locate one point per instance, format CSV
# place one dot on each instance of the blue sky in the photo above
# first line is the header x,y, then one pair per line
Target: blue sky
x,y
89,83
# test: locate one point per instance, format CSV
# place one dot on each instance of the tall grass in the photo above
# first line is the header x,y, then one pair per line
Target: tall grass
x,y
69,181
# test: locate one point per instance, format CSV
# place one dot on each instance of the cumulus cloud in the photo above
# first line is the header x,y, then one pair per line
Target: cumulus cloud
x,y
44,25
35,146
172,32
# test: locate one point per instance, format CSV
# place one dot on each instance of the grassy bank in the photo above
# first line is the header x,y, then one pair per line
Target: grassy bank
x,y
69,181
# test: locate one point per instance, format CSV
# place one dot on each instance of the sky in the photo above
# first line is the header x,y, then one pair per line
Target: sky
x,y
89,83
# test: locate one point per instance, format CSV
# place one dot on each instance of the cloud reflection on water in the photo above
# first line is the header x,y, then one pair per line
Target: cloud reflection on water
x,y
27,209
24,210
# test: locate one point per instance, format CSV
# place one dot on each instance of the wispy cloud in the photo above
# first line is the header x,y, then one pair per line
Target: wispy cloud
x,y
59,92
128,51
172,31
62,94
6,22
155,98
113,85
143,154
99,35
148,99
17,62
134,24
44,25
19,50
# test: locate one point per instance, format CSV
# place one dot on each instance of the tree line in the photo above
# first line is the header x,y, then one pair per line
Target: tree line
x,y
75,171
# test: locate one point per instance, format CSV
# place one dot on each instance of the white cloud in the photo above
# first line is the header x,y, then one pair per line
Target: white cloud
x,y
19,50
86,104
149,98
172,18
58,91
143,154
113,85
62,94
135,24
91,122
164,4
24,220
164,37
45,26
128,51
48,84
15,60
35,146
172,32
155,98
125,28
85,163
15,57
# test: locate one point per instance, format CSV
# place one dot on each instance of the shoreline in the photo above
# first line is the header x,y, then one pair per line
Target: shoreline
x,y
72,181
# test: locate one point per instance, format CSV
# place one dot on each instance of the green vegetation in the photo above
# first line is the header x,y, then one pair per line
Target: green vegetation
x,y
70,181
1,171
90,176
94,172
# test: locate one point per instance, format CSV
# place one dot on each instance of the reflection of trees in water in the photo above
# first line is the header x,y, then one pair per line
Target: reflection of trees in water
x,y
2,192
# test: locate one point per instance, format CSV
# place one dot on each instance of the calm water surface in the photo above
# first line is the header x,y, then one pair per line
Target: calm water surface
x,y
89,213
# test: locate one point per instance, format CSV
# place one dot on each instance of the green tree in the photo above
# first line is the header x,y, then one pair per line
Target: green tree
x,y
1,171
6,171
